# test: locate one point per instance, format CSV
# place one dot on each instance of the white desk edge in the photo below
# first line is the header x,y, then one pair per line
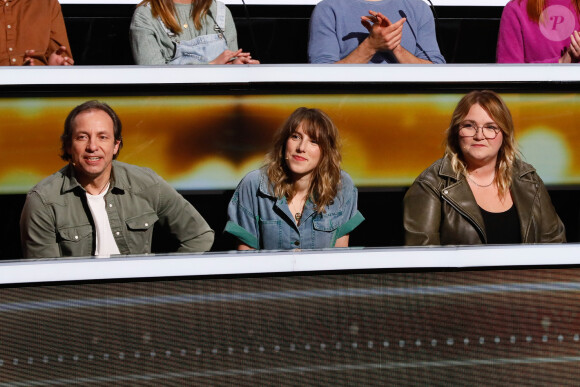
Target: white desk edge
x,y
229,263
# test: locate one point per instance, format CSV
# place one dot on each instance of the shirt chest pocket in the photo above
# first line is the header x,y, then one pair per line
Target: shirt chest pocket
x,y
142,222
325,227
139,233
327,222
76,241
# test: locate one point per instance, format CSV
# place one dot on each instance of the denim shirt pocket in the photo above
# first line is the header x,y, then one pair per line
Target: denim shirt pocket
x,y
140,232
76,241
327,222
271,234
325,227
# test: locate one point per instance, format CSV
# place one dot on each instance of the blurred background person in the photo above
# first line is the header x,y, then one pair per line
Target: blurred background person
x,y
183,32
480,191
32,32
374,31
539,31
300,199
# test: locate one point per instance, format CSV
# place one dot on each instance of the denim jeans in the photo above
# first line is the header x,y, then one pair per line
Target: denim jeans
x,y
200,50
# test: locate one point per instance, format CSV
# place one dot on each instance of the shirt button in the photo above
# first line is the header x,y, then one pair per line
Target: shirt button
x,y
110,205
13,59
8,26
9,48
76,237
296,243
146,224
445,192
117,233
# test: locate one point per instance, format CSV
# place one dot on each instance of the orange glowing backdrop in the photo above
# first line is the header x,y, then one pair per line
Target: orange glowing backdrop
x,y
211,142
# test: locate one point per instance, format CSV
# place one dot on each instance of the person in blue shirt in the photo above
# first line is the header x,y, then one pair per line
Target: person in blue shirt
x,y
373,31
300,198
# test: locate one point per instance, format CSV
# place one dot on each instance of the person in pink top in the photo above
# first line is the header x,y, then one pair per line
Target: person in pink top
x,y
539,31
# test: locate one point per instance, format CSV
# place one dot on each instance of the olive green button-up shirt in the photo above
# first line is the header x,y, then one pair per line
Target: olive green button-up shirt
x,y
56,220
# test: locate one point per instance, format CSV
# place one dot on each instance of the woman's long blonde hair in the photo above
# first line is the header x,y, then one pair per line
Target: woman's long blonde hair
x,y
325,181
499,112
536,7
165,9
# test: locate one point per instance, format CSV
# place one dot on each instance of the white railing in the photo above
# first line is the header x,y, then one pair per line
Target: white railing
x,y
301,73
465,3
231,263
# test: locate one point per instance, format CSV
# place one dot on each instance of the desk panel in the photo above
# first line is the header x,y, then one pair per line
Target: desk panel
x,y
280,324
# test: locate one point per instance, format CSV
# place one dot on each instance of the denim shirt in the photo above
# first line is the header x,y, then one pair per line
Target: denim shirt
x,y
262,221
56,220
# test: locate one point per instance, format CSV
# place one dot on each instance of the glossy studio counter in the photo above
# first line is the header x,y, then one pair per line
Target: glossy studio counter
x,y
405,316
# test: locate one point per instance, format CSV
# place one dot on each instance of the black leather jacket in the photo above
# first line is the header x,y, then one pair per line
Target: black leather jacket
x,y
440,209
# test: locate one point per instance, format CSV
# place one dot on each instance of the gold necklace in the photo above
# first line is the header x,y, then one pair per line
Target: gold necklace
x,y
298,214
481,185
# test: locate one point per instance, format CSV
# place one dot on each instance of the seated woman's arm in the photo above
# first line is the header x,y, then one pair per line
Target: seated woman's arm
x,y
422,214
146,40
551,227
243,246
243,220
353,218
342,241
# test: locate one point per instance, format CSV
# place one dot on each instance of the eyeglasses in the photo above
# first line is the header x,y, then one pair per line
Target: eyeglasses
x,y
470,128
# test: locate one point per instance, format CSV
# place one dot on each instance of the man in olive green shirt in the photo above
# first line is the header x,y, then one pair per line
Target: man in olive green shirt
x,y
99,206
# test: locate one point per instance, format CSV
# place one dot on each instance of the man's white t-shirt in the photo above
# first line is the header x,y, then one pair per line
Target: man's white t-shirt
x,y
105,245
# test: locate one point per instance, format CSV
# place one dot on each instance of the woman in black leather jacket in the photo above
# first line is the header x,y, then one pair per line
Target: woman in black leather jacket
x,y
480,191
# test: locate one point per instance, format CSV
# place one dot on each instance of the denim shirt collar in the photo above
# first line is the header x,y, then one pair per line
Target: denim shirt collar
x,y
267,188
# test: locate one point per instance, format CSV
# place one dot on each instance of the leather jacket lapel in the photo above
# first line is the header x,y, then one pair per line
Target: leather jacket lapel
x,y
460,197
458,194
524,192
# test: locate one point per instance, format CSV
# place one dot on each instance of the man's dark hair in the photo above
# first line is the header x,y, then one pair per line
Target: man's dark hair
x,y
66,137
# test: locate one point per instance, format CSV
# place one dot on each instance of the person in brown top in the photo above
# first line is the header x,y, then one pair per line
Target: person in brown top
x,y
32,32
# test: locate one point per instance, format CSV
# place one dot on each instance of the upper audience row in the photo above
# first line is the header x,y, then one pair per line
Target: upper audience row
x,y
32,32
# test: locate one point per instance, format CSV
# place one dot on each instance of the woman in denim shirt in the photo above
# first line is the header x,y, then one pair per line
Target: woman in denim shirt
x,y
300,199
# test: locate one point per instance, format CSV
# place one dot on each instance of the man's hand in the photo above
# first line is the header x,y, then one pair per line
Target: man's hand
x,y
383,35
59,58
29,58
